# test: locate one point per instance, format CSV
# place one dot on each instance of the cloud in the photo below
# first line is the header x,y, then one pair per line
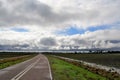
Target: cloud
x,y
96,39
49,13
102,39
48,42
40,19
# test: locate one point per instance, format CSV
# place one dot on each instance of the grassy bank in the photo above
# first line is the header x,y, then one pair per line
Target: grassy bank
x,y
4,55
6,62
112,60
65,71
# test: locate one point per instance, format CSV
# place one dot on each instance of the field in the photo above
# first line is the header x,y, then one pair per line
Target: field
x,y
112,60
12,54
8,59
63,70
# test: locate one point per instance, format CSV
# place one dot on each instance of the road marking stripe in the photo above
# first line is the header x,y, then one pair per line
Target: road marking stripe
x,y
49,68
18,76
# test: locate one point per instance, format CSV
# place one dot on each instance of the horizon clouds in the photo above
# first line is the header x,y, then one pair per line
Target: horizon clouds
x,y
63,24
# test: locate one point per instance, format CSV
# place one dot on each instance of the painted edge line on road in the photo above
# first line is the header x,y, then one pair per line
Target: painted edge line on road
x,y
18,76
49,68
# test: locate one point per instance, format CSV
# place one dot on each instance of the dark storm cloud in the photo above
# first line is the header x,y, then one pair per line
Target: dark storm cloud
x,y
34,12
28,12
114,41
48,42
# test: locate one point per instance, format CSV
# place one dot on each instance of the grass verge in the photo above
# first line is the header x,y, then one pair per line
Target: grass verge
x,y
11,61
65,71
111,60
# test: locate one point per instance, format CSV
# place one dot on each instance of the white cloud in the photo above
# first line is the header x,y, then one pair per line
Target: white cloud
x,y
43,17
56,13
97,39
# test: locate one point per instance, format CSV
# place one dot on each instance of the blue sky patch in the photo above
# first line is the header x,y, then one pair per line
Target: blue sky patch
x,y
102,27
20,30
74,30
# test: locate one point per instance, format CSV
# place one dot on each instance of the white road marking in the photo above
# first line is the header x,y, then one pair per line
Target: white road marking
x,y
18,76
49,69
8,69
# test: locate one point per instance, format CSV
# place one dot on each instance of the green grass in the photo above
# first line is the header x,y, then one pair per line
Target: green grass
x,y
12,62
112,60
65,71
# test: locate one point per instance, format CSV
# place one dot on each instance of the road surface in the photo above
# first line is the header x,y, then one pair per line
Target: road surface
x,y
36,68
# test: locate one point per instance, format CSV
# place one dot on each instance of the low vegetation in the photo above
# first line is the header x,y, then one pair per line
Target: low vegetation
x,y
9,59
63,70
112,60
111,75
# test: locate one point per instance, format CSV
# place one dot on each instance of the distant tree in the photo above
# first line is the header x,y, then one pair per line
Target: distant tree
x,y
90,51
75,52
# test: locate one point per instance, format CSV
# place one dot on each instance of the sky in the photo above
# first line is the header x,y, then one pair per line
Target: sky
x,y
59,24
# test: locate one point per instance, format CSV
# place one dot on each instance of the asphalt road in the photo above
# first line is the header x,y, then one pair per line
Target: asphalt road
x,y
36,68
